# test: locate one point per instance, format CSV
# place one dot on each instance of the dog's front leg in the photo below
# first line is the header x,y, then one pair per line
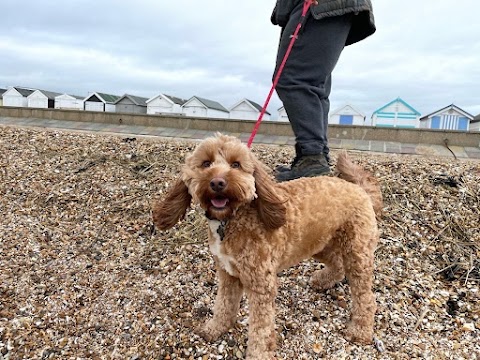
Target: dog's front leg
x,y
225,310
261,330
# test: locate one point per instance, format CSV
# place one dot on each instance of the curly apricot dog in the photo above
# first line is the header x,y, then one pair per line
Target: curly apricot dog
x,y
258,227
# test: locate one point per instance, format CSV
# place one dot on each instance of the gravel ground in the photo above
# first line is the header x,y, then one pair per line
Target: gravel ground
x,y
84,274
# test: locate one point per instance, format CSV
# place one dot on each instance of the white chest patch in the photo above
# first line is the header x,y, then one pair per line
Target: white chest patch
x,y
216,247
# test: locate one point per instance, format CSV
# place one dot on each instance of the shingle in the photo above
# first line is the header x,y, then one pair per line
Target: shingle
x,y
257,106
211,104
24,92
176,100
50,94
108,98
138,100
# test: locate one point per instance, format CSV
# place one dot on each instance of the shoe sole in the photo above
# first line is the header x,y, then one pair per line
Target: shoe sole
x,y
281,169
309,173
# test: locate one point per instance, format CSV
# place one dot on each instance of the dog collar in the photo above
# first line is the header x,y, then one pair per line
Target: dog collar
x,y
221,227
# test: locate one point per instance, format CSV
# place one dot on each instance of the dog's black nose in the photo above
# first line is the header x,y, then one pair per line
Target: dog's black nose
x,y
218,184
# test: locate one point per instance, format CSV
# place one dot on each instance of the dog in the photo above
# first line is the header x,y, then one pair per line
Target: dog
x,y
258,227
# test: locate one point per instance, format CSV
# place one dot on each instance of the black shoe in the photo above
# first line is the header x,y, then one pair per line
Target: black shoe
x,y
306,166
282,168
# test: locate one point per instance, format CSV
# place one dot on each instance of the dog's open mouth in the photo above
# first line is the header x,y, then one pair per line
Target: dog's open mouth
x,y
219,202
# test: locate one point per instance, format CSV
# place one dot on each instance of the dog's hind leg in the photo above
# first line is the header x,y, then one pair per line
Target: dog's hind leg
x,y
333,272
358,259
225,310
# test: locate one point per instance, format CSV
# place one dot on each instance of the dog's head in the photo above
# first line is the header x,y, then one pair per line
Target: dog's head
x,y
221,175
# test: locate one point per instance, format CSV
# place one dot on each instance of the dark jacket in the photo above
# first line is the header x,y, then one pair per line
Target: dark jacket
x,y
363,22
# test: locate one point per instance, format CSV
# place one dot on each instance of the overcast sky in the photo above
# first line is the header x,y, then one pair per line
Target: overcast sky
x,y
425,51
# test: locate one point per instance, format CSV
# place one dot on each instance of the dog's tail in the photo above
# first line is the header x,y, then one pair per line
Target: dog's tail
x,y
356,174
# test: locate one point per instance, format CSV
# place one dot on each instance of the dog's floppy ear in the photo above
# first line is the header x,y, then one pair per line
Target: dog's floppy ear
x,y
271,206
173,208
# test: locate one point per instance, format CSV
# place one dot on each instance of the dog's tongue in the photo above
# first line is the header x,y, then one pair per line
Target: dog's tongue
x,y
219,202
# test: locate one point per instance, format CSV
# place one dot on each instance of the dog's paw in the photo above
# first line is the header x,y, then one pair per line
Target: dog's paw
x,y
324,279
210,331
357,334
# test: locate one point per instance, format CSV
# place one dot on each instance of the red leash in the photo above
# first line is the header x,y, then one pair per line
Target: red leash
x,y
294,37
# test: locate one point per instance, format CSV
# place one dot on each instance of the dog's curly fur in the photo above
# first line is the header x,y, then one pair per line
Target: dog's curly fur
x,y
258,227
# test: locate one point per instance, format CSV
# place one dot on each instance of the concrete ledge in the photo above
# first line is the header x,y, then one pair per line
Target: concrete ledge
x,y
411,136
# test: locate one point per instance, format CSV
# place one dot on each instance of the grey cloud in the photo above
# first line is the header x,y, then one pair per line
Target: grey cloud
x,y
425,52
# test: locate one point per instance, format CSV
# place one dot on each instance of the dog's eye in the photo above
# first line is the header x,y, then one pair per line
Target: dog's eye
x,y
235,165
206,164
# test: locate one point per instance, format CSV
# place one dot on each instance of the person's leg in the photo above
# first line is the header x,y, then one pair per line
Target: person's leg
x,y
305,83
326,149
326,110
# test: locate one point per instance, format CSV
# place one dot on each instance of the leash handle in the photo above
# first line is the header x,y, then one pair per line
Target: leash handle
x,y
306,6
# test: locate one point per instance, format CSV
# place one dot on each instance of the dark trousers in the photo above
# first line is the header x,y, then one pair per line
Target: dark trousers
x,y
305,83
